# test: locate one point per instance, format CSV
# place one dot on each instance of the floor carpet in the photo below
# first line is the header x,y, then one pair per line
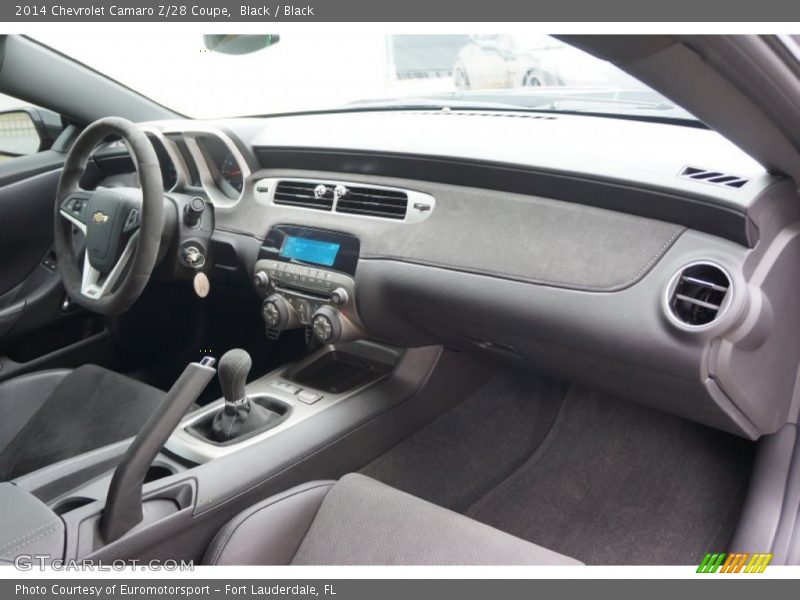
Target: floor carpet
x,y
600,479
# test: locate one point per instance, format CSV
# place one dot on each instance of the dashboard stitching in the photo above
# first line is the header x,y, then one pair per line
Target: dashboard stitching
x,y
564,284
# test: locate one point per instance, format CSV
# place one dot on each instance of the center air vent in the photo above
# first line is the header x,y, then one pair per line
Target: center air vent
x,y
699,294
304,193
346,198
373,202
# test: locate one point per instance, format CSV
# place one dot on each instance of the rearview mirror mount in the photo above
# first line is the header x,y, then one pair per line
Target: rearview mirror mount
x,y
239,44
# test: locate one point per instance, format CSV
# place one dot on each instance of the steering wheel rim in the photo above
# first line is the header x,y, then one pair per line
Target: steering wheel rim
x,y
98,287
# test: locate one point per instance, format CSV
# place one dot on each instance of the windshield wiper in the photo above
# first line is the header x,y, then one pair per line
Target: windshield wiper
x,y
599,100
430,104
553,97
563,101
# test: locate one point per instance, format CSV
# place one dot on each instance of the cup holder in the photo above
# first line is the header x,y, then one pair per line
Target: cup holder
x,y
158,472
66,505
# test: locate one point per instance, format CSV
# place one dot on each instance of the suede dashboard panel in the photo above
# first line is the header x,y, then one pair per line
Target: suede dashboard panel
x,y
512,236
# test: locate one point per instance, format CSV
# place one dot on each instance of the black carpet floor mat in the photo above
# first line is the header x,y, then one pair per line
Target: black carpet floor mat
x,y
600,479
460,456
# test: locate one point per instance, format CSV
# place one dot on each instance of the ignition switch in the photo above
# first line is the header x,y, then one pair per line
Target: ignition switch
x,y
194,257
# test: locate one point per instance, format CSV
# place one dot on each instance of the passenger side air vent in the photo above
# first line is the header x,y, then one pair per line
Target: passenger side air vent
x,y
372,202
304,193
715,177
699,294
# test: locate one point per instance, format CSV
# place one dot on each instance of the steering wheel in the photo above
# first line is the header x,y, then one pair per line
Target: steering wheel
x,y
122,226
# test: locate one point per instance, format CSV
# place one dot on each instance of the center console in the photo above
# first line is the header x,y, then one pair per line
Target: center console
x,y
307,279
292,393
136,499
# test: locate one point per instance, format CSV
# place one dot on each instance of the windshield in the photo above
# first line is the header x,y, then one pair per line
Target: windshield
x,y
298,73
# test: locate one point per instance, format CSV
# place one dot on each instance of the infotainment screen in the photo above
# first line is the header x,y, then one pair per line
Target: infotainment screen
x,y
310,251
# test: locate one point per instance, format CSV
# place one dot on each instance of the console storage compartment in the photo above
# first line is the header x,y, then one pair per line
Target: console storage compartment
x,y
342,370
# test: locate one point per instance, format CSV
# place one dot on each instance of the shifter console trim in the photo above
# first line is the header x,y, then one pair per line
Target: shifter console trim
x,y
280,386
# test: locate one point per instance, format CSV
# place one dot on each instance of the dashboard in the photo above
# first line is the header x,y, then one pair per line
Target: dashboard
x,y
643,258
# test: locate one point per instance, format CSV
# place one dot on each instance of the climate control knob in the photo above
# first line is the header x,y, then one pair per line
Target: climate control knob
x,y
279,314
326,325
271,314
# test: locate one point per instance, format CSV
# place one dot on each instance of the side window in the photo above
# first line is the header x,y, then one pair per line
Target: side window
x,y
25,128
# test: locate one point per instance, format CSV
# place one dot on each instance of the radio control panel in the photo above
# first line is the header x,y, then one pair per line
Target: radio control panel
x,y
300,275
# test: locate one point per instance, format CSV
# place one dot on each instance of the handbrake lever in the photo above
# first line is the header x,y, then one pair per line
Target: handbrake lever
x,y
123,508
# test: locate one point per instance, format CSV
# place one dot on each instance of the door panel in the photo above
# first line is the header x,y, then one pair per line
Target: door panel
x,y
26,226
30,286
36,331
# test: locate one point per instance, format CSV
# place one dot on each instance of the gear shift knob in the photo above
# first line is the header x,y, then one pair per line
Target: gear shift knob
x,y
233,369
240,416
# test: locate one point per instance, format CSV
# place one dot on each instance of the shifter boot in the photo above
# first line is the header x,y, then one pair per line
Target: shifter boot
x,y
236,421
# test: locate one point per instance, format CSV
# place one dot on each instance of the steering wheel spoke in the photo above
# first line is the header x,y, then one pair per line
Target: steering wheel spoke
x,y
75,207
132,221
95,284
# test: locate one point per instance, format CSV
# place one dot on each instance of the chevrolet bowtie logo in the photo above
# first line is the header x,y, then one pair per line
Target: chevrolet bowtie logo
x,y
99,217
